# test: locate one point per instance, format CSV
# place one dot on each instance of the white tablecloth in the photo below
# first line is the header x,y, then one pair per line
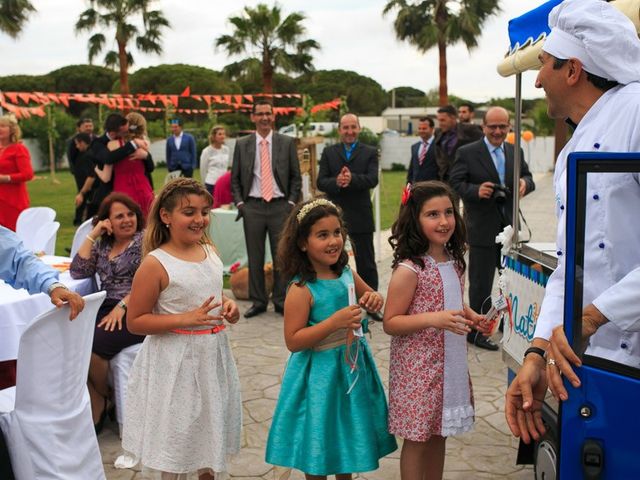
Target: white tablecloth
x,y
18,308
228,237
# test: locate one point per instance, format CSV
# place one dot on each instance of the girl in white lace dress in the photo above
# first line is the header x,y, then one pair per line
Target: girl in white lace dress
x,y
430,395
183,408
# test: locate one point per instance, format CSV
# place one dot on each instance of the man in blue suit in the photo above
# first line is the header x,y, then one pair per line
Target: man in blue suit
x,y
181,150
423,164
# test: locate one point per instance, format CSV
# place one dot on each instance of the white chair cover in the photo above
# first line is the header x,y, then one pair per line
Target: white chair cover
x,y
31,219
172,176
119,367
81,232
7,399
43,238
50,433
48,231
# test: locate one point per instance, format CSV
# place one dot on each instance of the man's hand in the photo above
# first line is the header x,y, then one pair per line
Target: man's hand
x,y
563,356
485,190
79,199
522,189
344,177
524,398
60,296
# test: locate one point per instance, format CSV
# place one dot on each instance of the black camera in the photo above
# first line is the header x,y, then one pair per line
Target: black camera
x,y
500,192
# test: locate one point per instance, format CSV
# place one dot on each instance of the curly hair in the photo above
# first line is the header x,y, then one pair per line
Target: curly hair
x,y
291,260
407,239
137,125
169,198
105,210
15,134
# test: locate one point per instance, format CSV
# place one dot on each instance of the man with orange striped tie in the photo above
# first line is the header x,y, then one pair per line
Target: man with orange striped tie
x,y
266,184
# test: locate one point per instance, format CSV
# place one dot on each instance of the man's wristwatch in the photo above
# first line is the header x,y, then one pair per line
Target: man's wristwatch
x,y
55,285
122,305
536,350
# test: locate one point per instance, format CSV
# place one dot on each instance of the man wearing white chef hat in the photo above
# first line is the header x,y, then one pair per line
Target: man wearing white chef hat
x,y
590,74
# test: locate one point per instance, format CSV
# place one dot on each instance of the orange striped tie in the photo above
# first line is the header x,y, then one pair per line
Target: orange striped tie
x,y
266,175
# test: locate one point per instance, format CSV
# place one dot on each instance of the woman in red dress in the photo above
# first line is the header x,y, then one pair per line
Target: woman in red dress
x,y
130,176
15,171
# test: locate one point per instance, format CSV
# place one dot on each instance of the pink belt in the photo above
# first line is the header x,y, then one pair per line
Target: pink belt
x,y
206,331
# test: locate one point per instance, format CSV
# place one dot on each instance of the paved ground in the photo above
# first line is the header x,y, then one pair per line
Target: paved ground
x,y
486,453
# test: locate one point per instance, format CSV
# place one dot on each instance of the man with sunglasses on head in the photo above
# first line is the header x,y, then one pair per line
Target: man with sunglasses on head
x,y
482,174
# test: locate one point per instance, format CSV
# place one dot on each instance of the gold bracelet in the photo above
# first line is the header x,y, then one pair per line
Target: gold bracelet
x,y
91,239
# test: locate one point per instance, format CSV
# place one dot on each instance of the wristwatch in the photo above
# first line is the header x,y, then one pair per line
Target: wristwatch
x,y
122,305
55,285
536,350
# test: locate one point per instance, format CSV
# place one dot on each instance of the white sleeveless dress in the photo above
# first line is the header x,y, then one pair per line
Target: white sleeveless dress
x,y
183,410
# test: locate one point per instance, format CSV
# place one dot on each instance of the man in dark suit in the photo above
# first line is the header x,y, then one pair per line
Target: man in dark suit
x,y
115,128
348,170
479,166
423,157
266,184
180,150
84,126
450,136
466,112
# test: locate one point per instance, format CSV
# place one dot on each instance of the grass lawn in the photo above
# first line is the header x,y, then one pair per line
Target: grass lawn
x,y
59,196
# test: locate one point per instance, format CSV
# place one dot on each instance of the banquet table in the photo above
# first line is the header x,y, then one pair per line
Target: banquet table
x,y
18,308
228,237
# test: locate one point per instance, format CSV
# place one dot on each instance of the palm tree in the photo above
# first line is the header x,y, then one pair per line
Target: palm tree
x,y
262,33
120,14
13,16
430,23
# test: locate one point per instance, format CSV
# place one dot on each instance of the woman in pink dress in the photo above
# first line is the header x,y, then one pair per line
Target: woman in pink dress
x,y
131,175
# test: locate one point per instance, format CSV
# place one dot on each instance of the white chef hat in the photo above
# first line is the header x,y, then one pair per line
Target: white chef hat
x,y
598,35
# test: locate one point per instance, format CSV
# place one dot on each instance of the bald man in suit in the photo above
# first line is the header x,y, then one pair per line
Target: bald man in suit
x,y
478,167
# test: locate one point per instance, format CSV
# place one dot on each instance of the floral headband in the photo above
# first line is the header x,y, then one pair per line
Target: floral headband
x,y
311,205
406,194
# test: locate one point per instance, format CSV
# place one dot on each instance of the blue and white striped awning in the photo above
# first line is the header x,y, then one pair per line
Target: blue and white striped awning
x,y
527,33
531,27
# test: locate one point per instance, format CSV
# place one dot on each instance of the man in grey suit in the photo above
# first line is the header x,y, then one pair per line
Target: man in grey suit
x,y
266,184
478,168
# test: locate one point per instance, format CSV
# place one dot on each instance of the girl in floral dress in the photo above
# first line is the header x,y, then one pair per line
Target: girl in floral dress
x,y
430,395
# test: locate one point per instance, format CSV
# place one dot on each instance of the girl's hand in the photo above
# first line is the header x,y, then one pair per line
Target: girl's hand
x,y
371,301
479,321
200,316
141,143
452,320
101,227
112,319
230,311
347,317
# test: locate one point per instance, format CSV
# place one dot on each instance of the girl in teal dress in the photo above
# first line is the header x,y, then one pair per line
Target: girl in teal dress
x,y
332,412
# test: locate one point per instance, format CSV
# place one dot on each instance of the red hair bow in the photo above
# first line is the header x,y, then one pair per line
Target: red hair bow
x,y
406,194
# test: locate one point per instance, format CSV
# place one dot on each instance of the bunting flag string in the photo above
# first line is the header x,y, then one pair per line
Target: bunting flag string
x,y
18,102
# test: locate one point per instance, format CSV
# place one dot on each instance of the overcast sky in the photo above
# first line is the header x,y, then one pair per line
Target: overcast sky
x,y
353,35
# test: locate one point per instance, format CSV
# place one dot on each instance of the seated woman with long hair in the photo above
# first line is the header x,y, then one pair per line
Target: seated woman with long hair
x,y
113,250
